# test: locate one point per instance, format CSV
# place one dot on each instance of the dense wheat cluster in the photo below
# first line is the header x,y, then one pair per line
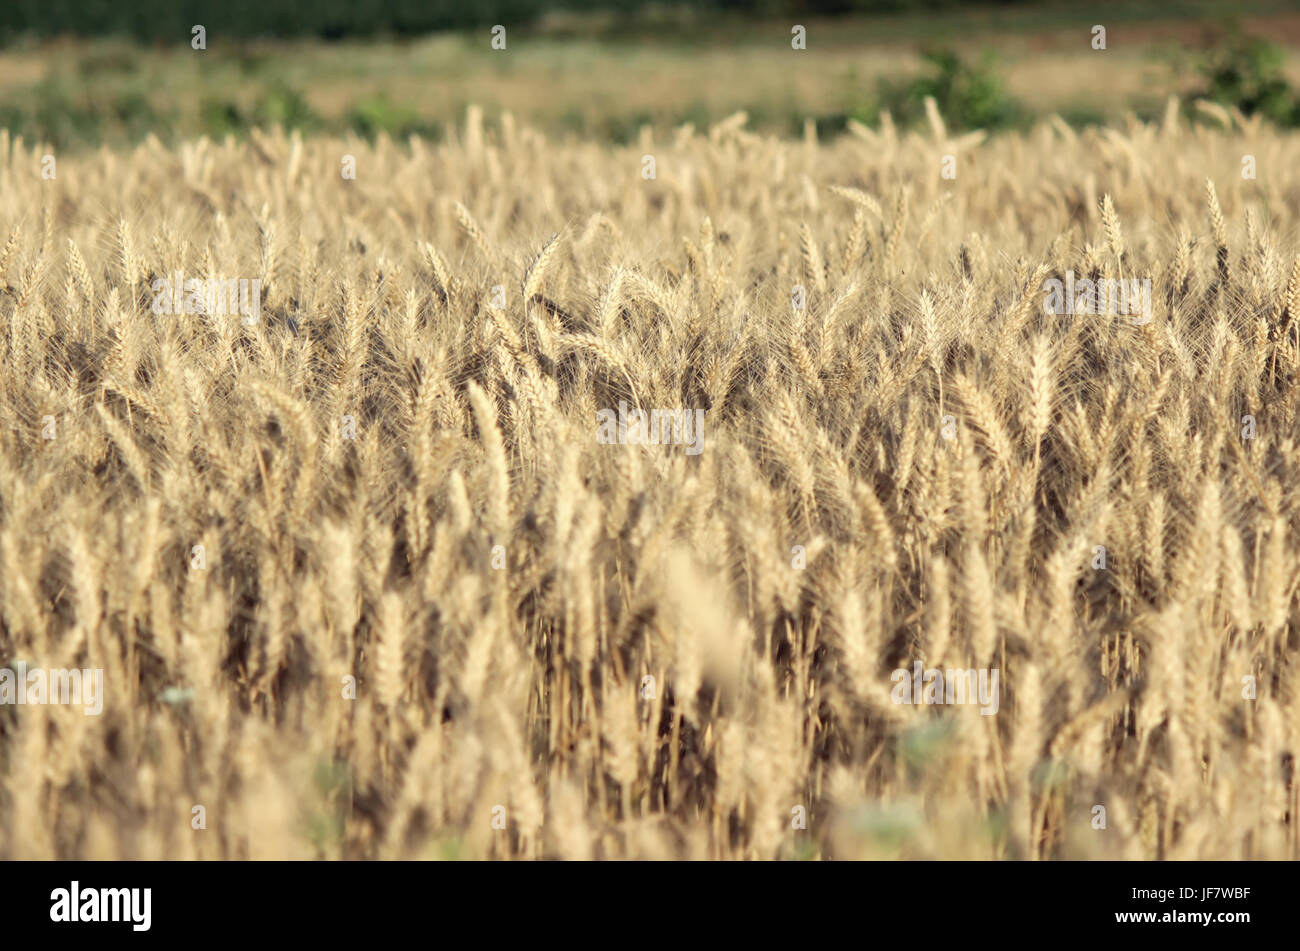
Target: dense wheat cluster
x,y
395,481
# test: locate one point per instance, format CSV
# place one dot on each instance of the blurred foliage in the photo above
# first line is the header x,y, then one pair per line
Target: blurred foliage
x,y
375,114
118,89
61,112
1247,72
283,105
335,19
73,107
324,822
969,94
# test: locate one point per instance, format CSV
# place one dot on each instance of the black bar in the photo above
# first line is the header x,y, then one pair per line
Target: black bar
x,y
566,901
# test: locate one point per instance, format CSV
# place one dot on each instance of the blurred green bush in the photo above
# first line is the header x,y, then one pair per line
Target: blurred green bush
x,y
1246,72
969,94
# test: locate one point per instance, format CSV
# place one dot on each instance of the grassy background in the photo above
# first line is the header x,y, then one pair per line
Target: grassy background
x,y
606,75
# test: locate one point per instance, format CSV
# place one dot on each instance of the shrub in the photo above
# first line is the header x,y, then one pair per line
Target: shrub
x,y
1246,72
969,95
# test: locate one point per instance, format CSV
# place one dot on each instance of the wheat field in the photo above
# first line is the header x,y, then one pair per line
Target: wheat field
x,y
364,582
